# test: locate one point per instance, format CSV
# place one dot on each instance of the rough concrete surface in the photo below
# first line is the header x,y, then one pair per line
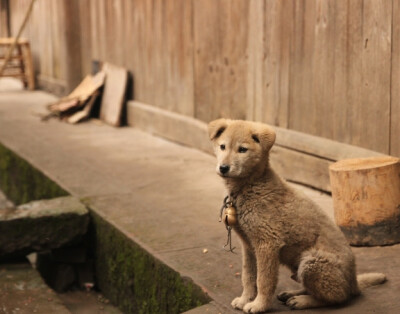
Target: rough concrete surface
x,y
42,225
81,302
23,291
165,197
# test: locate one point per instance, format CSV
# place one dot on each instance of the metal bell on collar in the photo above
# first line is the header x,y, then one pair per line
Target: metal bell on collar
x,y
230,218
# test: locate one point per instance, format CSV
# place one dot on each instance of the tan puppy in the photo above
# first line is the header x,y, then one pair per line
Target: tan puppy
x,y
279,225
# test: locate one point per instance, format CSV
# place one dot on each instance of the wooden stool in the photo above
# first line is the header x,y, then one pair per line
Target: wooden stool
x,y
366,199
20,65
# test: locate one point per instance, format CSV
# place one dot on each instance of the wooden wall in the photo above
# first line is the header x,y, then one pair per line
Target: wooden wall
x,y
53,30
4,19
329,68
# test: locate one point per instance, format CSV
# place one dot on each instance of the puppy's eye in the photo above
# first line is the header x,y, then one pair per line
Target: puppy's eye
x,y
222,146
242,149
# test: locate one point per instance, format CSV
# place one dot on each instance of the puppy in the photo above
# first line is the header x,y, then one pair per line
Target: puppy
x,y
278,225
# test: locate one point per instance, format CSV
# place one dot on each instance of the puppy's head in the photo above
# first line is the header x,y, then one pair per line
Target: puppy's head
x,y
241,147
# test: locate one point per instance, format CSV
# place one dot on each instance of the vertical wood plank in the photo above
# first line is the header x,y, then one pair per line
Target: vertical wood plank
x,y
47,32
71,45
57,38
340,77
94,30
220,32
278,32
302,111
4,18
255,61
131,40
102,29
374,109
178,57
323,68
154,42
347,75
85,33
395,92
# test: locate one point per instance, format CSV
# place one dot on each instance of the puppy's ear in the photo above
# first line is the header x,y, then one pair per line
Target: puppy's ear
x,y
265,135
216,128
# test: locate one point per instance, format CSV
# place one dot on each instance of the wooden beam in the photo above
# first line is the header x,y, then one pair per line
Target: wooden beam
x,y
318,146
296,156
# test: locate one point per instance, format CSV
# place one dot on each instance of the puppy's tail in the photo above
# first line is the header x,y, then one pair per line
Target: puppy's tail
x,y
370,279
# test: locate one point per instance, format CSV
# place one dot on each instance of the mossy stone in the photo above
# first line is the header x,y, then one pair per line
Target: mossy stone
x,y
22,182
137,281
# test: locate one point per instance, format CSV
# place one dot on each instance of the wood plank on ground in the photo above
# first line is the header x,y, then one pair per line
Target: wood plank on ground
x,y
114,93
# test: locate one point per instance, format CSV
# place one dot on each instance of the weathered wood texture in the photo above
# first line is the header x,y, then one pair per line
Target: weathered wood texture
x,y
395,90
220,58
153,39
4,19
324,67
54,33
296,156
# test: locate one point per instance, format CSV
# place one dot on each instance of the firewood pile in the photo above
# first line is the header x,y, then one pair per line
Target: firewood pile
x,y
109,85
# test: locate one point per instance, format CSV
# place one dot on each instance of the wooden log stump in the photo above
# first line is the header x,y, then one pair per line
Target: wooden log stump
x,y
366,199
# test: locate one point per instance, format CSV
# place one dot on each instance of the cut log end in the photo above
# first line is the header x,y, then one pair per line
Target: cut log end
x,y
363,163
366,199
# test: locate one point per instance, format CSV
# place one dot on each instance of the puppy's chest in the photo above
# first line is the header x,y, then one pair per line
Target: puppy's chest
x,y
258,219
250,218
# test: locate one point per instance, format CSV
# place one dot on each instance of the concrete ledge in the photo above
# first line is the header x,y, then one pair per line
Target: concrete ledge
x,y
127,274
22,182
42,225
131,276
135,279
298,157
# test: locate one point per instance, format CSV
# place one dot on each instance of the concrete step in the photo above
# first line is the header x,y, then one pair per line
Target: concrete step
x,y
154,209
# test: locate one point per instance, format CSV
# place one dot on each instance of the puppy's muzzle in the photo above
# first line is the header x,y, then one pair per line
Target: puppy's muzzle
x,y
224,169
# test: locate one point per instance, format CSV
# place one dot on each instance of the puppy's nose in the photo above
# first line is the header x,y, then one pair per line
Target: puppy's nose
x,y
224,169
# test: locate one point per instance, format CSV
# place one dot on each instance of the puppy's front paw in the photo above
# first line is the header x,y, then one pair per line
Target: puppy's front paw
x,y
256,306
239,302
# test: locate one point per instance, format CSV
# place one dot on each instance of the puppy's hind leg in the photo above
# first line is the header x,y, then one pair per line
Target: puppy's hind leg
x,y
286,295
322,276
301,302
